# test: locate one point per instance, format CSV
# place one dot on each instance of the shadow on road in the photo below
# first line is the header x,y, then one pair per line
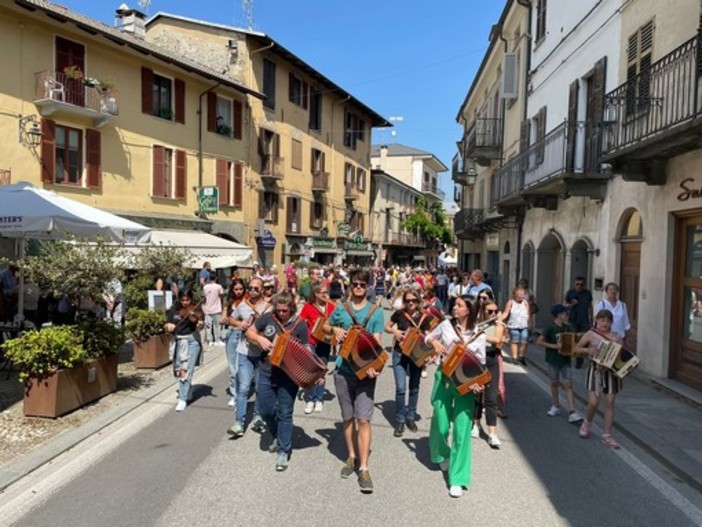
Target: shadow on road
x,y
335,440
420,448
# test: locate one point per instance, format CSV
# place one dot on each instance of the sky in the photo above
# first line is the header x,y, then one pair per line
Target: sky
x,y
407,59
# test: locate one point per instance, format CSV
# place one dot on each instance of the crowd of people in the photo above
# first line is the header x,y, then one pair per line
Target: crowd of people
x,y
446,308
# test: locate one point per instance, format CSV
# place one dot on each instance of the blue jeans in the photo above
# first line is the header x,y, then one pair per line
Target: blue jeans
x,y
213,327
193,355
276,397
316,393
233,359
248,367
403,367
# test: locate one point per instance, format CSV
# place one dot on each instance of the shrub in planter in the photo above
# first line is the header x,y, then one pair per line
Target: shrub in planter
x,y
150,341
100,337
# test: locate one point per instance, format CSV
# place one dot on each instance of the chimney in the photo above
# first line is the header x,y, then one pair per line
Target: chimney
x,y
130,21
383,156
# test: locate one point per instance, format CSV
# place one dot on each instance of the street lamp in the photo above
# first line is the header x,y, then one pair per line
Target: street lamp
x,y
31,136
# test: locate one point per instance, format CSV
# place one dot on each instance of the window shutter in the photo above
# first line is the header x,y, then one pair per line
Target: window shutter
x,y
572,124
540,134
211,112
147,84
157,189
277,202
312,217
93,158
322,163
276,145
305,95
238,185
289,214
223,181
180,101
261,205
238,120
181,179
524,136
262,150
48,151
510,76
291,84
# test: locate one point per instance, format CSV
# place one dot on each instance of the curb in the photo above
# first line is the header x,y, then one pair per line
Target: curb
x,y
17,470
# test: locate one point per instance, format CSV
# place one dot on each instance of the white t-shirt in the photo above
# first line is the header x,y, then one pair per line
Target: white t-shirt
x,y
213,298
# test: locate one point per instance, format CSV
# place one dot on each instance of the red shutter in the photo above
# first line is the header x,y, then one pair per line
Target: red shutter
x,y
179,101
223,181
48,151
181,179
238,120
211,112
147,84
93,158
238,185
157,189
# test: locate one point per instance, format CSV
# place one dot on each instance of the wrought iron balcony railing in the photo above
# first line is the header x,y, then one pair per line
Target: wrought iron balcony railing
x,y
658,99
433,189
85,94
272,167
483,139
320,181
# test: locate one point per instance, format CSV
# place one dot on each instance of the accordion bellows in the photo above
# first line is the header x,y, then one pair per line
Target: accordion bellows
x,y
464,369
362,352
297,361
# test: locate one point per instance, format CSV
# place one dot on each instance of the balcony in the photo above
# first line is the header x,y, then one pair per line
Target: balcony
x,y
292,228
434,190
56,93
472,224
655,116
484,141
463,171
563,163
350,192
320,181
406,239
272,167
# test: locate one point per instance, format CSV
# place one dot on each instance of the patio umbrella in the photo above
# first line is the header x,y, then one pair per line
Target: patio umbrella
x,y
27,212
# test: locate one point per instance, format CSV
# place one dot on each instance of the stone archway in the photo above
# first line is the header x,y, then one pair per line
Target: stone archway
x,y
580,264
507,280
549,275
630,238
528,263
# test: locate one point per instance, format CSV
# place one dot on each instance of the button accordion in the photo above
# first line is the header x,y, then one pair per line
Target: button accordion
x,y
320,335
568,343
414,347
616,358
361,351
464,369
297,361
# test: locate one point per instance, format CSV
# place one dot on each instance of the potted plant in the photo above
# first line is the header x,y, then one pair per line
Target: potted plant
x,y
149,340
166,113
225,130
73,72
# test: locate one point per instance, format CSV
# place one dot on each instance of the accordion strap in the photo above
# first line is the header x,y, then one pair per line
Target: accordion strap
x,y
353,317
417,325
282,327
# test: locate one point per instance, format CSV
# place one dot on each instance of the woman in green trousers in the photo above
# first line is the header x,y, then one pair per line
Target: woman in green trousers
x,y
450,407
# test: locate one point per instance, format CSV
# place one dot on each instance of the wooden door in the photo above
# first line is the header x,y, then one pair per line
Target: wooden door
x,y
629,274
69,53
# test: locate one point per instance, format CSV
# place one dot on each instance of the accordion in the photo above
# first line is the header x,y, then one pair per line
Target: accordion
x,y
318,333
297,361
361,351
414,348
568,342
464,369
616,358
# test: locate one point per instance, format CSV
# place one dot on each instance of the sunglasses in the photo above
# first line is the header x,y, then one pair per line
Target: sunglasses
x,y
282,311
491,311
254,288
411,301
579,283
359,284
323,292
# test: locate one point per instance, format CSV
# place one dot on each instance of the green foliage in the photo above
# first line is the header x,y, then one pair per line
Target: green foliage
x,y
161,261
141,324
40,353
429,222
135,291
100,337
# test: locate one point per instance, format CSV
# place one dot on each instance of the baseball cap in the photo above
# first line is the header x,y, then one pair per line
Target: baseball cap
x,y
557,309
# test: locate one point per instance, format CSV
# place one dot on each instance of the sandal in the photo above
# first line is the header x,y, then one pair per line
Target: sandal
x,y
608,440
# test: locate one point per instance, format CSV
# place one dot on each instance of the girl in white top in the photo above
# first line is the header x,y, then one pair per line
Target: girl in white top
x,y
611,302
519,322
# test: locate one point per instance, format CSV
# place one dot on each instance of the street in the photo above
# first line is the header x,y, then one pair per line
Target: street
x,y
159,467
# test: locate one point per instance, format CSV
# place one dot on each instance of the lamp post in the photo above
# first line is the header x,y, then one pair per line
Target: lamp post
x,y
31,136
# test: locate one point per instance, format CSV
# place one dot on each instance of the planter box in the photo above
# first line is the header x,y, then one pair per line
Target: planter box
x,y
153,353
66,390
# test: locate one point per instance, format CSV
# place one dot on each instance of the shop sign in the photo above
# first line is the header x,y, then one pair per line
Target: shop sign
x,y
356,244
268,241
208,200
687,191
492,241
343,228
326,243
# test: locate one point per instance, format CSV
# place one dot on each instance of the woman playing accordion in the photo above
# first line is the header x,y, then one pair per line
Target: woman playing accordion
x,y
450,407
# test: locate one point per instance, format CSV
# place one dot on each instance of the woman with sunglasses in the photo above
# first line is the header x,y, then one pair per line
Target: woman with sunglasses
x,y
452,410
237,294
275,391
245,314
318,305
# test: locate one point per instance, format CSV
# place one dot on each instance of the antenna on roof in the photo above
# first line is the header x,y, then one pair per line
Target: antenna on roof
x,y
144,5
247,10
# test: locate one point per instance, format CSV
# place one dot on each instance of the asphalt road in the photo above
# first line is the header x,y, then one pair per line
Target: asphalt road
x,y
182,469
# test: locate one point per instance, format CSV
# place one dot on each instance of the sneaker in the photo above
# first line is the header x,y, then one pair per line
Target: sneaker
x,y
411,425
348,468
554,411
282,462
516,362
258,425
522,361
273,447
608,440
455,491
444,465
365,482
318,406
399,429
236,430
574,417
181,405
231,403
424,373
475,432
584,431
309,407
494,441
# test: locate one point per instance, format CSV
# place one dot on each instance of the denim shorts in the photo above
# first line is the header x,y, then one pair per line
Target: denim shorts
x,y
517,335
562,373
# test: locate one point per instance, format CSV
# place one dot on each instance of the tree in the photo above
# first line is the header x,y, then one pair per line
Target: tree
x,y
429,221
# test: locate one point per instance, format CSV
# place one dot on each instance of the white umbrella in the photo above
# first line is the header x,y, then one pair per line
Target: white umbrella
x,y
30,212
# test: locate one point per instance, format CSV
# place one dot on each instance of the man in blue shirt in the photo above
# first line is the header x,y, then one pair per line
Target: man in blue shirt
x,y
579,300
477,283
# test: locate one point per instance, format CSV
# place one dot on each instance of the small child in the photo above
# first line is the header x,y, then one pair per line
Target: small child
x,y
559,366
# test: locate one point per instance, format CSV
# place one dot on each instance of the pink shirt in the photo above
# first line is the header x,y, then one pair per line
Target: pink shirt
x,y
213,298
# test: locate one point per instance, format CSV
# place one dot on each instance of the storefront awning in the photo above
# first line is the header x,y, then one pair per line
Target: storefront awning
x,y
325,250
360,253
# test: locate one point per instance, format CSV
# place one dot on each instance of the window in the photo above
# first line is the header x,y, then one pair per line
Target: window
x,y
361,179
294,215
315,110
229,179
224,116
224,119
361,130
298,91
269,207
269,84
540,20
638,72
296,157
318,161
162,97
316,215
349,175
169,174
68,155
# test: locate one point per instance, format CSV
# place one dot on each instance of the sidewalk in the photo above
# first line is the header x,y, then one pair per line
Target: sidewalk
x,y
661,416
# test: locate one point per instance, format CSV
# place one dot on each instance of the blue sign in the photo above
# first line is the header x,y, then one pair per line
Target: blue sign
x,y
268,241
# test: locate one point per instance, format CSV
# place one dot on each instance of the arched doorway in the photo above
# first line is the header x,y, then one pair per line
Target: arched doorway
x,y
549,276
630,237
528,263
580,261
